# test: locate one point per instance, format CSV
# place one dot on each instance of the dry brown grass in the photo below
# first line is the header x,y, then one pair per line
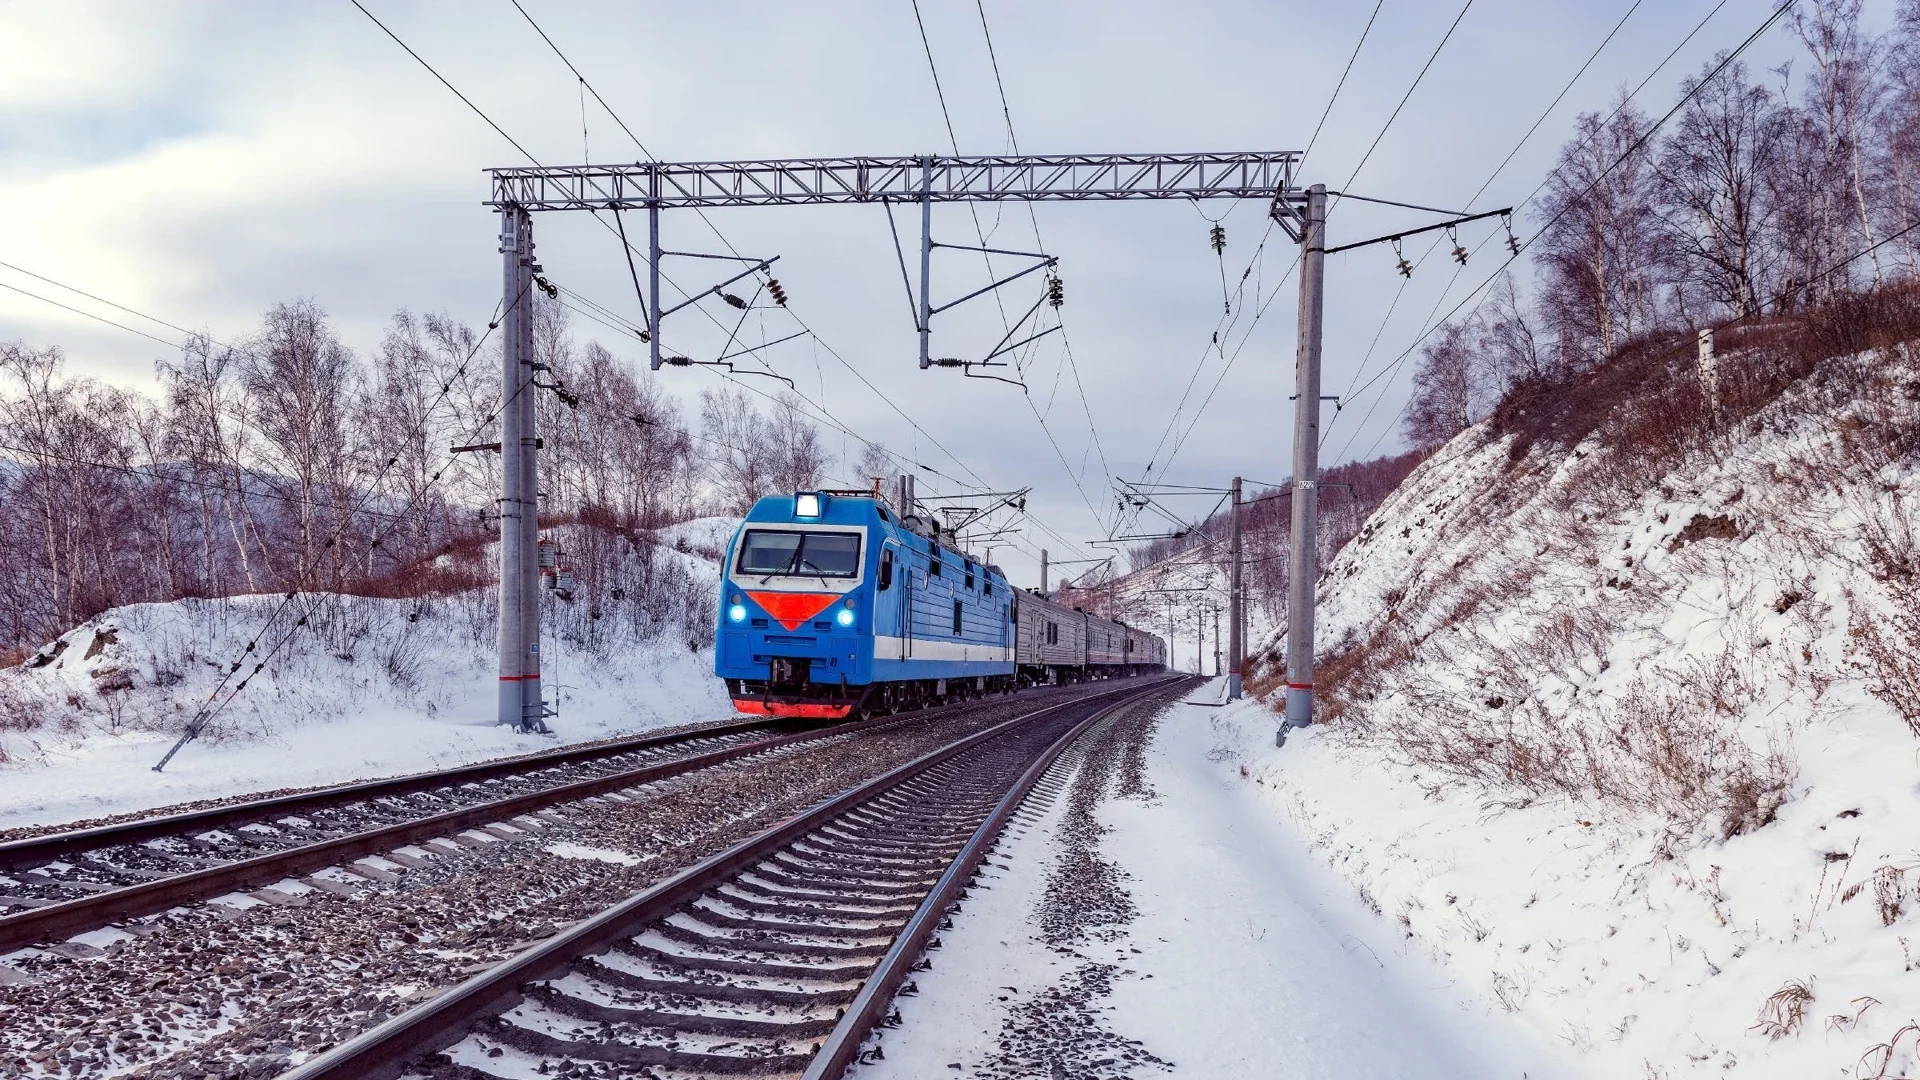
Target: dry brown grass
x,y
1784,1011
1880,1057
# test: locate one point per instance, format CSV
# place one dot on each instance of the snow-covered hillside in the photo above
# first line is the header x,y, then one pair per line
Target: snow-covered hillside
x,y
1623,728
367,686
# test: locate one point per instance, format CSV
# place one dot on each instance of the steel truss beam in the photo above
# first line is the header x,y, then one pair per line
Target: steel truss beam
x,y
656,186
800,181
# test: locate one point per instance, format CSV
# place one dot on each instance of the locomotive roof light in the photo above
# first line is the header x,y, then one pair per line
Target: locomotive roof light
x,y
806,504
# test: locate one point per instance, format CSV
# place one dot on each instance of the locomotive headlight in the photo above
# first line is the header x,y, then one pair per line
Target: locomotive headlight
x,y
846,617
738,613
806,504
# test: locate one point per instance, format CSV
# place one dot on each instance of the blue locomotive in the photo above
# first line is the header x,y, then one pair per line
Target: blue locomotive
x,y
832,605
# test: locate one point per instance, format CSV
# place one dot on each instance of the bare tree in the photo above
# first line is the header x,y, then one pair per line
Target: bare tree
x,y
799,458
1600,255
1507,339
1899,130
1716,204
300,379
1446,388
873,465
740,458
1843,94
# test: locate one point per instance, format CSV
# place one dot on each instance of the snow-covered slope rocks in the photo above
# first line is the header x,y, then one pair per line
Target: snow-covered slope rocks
x,y
1620,703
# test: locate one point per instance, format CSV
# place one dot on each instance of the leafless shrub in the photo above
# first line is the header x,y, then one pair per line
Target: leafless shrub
x,y
1782,1013
1890,642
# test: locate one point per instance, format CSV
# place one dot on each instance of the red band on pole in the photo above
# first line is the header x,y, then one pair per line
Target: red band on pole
x,y
1299,686
518,678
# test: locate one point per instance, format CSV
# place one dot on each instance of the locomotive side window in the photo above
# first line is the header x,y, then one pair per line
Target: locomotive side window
x,y
969,573
956,616
886,570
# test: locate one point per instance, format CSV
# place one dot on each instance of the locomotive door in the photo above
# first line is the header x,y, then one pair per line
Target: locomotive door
x,y
903,578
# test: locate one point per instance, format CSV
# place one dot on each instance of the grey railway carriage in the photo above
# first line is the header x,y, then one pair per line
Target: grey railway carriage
x,y
1054,644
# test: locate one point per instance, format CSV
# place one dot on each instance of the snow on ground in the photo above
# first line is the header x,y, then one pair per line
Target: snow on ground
x,y
1613,731
369,687
1650,955
1242,958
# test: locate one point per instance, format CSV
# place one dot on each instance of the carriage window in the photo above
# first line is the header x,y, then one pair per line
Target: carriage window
x,y
933,567
886,569
956,616
969,573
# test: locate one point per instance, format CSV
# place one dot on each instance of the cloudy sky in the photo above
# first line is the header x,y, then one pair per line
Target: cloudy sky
x,y
199,162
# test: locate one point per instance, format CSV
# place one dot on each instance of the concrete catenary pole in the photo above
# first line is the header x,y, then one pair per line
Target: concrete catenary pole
x,y
1303,565
1216,643
1043,571
519,484
1236,643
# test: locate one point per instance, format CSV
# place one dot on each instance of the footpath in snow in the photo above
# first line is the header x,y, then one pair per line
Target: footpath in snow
x,y
1149,914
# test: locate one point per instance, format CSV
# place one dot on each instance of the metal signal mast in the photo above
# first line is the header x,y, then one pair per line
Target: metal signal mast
x,y
922,180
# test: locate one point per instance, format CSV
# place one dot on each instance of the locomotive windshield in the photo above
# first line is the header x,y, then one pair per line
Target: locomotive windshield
x,y
815,554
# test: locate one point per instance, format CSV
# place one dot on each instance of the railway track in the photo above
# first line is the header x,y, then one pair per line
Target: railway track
x,y
63,884
777,956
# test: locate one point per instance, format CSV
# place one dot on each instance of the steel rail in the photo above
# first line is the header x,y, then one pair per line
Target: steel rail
x,y
36,850
92,912
869,1006
387,1050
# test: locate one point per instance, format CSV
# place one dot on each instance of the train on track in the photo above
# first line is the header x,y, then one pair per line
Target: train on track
x,y
833,605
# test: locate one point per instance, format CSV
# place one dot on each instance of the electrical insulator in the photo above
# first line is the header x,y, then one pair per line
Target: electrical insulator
x,y
734,300
1513,242
552,291
678,361
1405,267
779,294
1219,237
1056,292
1459,253
643,335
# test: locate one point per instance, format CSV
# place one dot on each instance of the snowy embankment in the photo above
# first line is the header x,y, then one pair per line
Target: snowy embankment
x,y
1624,734
367,687
1157,918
